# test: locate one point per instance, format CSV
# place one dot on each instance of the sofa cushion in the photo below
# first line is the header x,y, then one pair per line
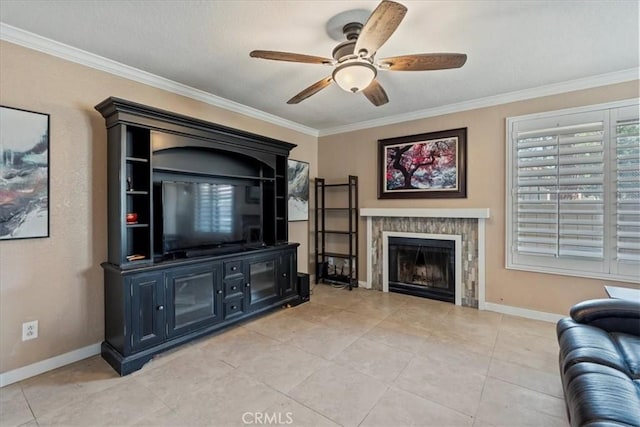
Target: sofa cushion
x,y
601,394
612,315
629,348
584,343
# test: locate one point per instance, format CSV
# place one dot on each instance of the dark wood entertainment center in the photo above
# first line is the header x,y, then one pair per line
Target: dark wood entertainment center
x,y
156,299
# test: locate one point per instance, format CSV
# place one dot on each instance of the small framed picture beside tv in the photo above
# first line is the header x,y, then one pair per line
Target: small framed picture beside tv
x,y
298,189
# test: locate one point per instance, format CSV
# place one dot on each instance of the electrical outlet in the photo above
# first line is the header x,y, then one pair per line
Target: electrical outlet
x,y
30,330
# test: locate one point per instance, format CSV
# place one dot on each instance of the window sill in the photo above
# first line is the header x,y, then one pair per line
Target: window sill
x,y
581,274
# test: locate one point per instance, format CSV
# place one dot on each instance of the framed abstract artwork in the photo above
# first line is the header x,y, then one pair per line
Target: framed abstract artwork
x,y
24,174
298,190
428,165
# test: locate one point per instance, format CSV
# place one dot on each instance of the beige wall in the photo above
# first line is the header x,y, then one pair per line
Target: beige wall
x,y
58,280
356,153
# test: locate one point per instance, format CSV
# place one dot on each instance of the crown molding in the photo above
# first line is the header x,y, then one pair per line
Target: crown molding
x,y
490,101
42,44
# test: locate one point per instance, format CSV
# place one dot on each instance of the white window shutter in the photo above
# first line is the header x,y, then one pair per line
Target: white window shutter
x,y
626,175
574,192
559,185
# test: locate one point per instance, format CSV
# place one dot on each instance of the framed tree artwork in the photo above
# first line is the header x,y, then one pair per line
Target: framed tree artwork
x,y
24,174
428,165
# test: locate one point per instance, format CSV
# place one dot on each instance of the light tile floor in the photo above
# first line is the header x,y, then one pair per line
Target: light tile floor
x,y
360,358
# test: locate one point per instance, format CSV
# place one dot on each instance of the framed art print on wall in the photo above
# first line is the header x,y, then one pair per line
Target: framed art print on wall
x,y
428,165
298,190
24,174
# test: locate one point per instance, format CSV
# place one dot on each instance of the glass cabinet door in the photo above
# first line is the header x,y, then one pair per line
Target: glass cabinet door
x,y
263,282
196,298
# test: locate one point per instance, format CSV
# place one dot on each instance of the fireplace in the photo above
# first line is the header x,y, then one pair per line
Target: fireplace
x,y
466,226
422,267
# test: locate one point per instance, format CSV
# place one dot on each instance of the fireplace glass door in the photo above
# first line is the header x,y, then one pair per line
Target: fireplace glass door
x,y
422,267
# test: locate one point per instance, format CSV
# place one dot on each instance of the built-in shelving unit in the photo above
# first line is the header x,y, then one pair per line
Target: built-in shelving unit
x,y
156,299
339,266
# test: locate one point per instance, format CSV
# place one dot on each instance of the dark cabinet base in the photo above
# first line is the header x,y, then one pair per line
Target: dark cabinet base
x,y
152,309
124,365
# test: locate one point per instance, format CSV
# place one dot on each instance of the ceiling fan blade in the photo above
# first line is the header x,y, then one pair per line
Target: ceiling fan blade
x,y
379,27
423,62
311,90
376,94
291,57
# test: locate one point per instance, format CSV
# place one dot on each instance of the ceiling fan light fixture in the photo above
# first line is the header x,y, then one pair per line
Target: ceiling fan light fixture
x,y
354,59
354,76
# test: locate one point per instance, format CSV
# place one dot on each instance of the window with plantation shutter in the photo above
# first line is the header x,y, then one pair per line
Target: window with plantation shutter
x,y
573,192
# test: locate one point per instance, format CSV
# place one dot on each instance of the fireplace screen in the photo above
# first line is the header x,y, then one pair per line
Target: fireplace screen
x,y
422,267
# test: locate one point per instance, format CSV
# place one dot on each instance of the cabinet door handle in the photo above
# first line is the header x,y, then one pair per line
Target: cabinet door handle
x,y
220,291
284,274
233,307
233,288
160,307
248,285
234,268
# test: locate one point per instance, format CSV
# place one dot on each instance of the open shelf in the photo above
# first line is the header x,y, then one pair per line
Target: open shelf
x,y
136,159
137,225
324,251
338,231
211,174
338,255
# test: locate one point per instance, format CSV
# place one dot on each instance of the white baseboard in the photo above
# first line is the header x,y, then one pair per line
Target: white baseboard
x,y
38,368
523,312
363,284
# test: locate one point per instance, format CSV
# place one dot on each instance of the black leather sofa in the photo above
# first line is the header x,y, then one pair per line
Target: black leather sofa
x,y
600,363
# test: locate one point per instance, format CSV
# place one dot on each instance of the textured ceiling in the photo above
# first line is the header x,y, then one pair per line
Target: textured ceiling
x,y
511,46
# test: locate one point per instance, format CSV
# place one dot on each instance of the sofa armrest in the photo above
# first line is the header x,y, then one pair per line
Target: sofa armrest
x,y
612,315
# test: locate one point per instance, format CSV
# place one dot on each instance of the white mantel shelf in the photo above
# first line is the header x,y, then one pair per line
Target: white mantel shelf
x,y
480,213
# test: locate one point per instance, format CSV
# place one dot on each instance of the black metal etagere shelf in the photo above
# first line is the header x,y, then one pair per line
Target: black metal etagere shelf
x,y
336,267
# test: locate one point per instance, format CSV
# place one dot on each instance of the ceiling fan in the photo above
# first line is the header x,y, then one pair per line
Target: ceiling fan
x,y
355,67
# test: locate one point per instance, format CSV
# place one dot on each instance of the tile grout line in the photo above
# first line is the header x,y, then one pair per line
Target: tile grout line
x,y
29,406
484,383
269,386
288,396
374,405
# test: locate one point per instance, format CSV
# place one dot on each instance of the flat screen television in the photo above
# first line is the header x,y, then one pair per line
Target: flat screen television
x,y
202,215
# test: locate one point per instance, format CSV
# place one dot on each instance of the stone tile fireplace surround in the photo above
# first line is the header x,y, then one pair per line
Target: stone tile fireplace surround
x,y
466,226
